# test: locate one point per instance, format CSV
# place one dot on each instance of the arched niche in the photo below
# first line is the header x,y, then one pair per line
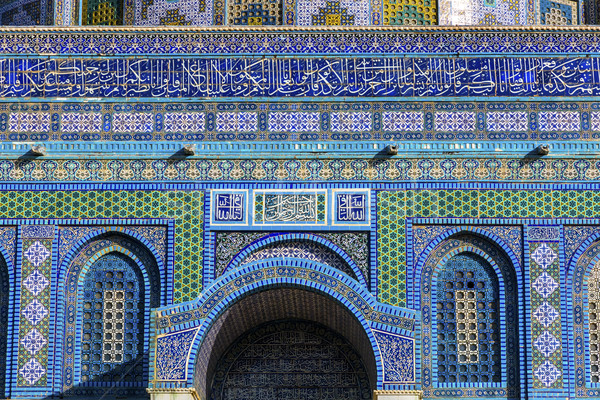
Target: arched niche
x,y
112,283
273,305
487,356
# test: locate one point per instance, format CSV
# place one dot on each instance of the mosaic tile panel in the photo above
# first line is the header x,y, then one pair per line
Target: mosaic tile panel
x,y
182,206
254,12
355,244
304,77
394,207
398,12
35,306
321,170
323,12
558,12
24,13
102,12
300,121
165,12
546,322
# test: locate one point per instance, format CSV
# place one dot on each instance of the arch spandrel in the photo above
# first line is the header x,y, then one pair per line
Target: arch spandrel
x,y
187,332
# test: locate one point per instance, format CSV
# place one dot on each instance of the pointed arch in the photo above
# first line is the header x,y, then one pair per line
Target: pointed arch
x,y
580,269
491,266
276,238
414,278
299,274
101,244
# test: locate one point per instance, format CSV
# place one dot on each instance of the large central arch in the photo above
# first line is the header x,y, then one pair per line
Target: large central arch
x,y
320,317
282,299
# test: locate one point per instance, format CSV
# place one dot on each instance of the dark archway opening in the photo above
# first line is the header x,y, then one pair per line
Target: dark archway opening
x,y
290,359
286,343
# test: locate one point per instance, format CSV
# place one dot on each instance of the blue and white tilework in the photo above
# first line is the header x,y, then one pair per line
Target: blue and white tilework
x,y
545,302
455,121
237,122
560,121
229,207
402,121
350,121
133,122
29,122
351,207
81,122
185,122
35,304
397,353
306,9
507,121
294,121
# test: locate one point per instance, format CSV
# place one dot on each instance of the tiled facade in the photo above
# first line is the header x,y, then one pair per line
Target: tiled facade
x,y
178,203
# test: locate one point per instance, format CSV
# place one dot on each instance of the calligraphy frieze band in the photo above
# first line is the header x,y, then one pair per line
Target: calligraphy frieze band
x,y
299,77
290,207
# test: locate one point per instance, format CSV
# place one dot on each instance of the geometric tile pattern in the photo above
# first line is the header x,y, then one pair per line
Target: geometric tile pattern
x,y
185,207
398,12
376,121
546,343
288,42
23,13
323,12
112,352
257,12
268,169
31,372
35,305
454,121
36,282
294,121
562,121
37,254
393,207
546,324
165,12
467,321
333,14
350,121
237,122
594,321
81,122
29,122
507,121
33,341
545,285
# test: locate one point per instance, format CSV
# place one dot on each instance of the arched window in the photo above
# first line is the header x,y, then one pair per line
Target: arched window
x,y
467,321
255,12
593,285
114,315
102,12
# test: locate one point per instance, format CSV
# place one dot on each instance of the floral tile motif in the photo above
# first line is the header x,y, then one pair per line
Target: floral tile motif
x,y
37,254
32,371
35,312
36,282
33,341
545,285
